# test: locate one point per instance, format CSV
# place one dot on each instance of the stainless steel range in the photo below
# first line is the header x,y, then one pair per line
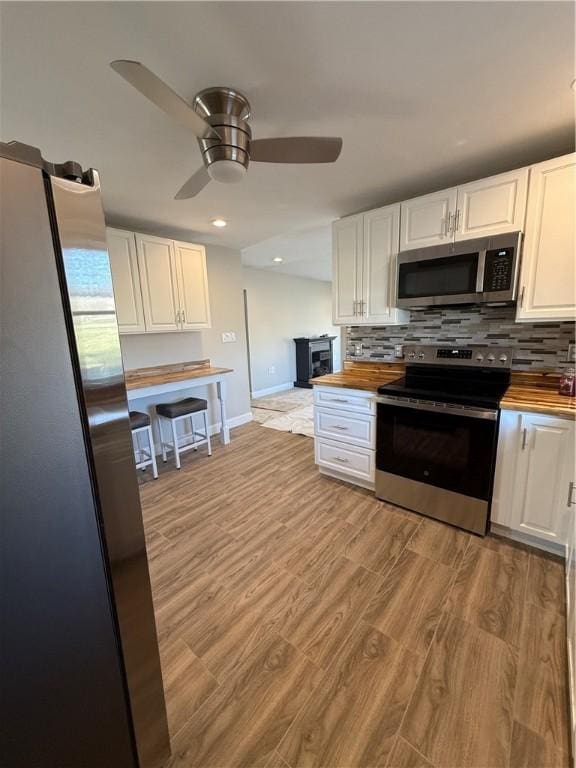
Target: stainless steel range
x,y
437,432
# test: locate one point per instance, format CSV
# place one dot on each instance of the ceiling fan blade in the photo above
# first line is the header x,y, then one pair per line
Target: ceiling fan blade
x,y
195,184
150,85
297,149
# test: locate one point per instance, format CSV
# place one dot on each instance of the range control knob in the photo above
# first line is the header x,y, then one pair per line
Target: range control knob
x,y
490,358
479,358
421,355
412,355
503,358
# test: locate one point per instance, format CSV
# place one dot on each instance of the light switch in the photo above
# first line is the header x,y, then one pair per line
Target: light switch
x,y
228,337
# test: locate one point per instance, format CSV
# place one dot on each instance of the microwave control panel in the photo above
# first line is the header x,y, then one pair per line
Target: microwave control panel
x,y
498,269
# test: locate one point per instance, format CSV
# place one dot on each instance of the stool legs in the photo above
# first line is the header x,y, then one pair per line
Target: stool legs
x,y
162,443
175,444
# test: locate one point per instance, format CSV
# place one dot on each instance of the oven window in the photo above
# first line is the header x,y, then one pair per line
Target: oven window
x,y
438,277
450,451
449,446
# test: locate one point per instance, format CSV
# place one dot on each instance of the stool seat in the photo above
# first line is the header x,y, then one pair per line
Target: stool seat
x,y
181,407
138,420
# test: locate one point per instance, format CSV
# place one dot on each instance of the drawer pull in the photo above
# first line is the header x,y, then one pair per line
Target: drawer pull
x,y
339,426
570,492
344,461
337,400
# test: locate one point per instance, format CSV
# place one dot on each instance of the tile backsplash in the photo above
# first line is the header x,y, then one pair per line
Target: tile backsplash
x,y
536,345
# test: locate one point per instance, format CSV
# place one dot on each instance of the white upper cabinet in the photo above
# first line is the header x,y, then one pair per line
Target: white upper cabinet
x,y
346,269
158,275
380,250
486,207
126,281
490,206
193,286
548,272
160,285
427,220
365,248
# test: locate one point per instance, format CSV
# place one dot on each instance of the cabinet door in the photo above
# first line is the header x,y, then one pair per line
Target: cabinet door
x,y
544,448
126,281
346,269
193,286
548,276
158,277
426,220
493,205
571,613
380,251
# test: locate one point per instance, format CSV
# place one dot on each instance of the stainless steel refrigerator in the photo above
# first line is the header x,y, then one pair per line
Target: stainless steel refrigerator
x,y
81,682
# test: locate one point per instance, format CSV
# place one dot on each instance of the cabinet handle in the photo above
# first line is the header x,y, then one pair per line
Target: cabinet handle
x,y
524,437
361,308
340,427
337,400
457,220
339,458
522,296
448,221
177,317
183,316
570,492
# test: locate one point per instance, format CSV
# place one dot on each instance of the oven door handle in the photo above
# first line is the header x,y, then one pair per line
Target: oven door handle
x,y
480,272
444,408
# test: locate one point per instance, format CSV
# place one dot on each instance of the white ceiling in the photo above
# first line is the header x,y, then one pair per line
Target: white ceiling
x,y
425,95
305,254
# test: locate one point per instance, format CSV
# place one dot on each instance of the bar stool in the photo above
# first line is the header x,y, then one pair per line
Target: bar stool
x,y
179,411
140,424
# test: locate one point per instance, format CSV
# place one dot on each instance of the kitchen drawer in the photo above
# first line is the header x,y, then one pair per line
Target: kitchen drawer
x,y
345,459
346,399
345,426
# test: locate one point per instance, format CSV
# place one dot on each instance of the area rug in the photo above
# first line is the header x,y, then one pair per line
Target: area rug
x,y
299,421
284,401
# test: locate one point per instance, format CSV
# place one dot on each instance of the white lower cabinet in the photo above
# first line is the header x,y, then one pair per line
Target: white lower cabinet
x,y
534,476
345,434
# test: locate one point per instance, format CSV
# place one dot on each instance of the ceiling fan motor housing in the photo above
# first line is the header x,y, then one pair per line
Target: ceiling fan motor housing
x,y
227,111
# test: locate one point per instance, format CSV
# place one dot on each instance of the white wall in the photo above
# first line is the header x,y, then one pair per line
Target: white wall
x,y
280,308
227,309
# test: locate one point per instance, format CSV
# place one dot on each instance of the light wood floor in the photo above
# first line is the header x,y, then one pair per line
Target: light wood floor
x,y
304,623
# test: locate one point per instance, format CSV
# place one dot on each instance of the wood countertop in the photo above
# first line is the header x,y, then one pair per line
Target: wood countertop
x,y
137,378
535,392
362,375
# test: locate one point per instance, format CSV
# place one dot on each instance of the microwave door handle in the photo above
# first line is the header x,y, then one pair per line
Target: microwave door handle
x,y
480,273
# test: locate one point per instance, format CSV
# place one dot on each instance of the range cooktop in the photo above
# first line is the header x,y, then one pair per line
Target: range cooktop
x,y
475,376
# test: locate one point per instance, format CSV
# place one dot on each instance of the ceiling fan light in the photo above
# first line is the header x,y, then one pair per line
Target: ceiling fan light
x,y
227,171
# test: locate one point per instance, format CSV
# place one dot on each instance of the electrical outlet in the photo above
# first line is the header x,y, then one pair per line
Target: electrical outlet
x,y
571,357
272,370
228,337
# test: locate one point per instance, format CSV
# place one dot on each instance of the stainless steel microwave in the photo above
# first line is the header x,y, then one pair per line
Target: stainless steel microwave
x,y
480,271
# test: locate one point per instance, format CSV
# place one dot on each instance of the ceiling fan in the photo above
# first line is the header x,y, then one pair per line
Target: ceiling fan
x,y
218,117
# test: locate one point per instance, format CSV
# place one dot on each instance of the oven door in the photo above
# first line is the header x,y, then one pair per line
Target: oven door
x,y
437,459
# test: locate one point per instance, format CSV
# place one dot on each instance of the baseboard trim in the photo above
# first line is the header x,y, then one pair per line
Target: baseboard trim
x,y
272,390
524,538
234,421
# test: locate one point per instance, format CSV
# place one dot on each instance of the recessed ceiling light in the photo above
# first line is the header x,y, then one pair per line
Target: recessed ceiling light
x,y
219,222
278,259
